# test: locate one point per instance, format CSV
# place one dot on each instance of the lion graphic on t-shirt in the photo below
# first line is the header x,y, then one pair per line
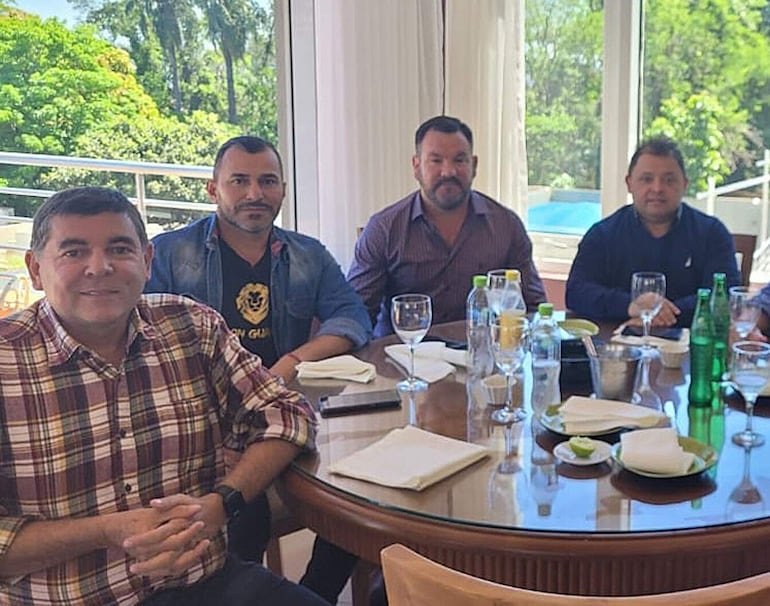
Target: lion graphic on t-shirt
x,y
253,302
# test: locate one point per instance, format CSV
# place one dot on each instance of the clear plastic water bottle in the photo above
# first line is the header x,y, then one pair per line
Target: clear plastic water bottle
x,y
480,360
545,345
512,300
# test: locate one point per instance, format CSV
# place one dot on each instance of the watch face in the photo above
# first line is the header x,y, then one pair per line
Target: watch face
x,y
232,500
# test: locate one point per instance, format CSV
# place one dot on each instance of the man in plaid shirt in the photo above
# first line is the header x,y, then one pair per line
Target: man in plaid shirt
x,y
117,413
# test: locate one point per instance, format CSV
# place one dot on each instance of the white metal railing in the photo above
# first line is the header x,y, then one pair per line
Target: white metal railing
x,y
711,194
139,169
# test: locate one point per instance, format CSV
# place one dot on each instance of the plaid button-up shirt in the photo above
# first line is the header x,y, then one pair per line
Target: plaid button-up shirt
x,y
80,437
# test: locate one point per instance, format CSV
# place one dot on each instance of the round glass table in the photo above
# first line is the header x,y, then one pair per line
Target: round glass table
x,y
530,520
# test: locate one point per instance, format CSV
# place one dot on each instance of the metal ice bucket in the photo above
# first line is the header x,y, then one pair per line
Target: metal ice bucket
x,y
613,371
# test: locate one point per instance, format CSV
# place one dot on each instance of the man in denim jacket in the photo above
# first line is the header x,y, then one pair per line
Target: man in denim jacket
x,y
268,283
269,300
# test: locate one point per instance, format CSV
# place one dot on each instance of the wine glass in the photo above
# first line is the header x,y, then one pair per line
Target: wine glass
x,y
509,343
745,501
411,315
750,373
645,394
744,311
648,291
495,287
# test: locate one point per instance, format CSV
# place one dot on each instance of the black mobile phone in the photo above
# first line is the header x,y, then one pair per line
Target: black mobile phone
x,y
352,403
658,331
450,343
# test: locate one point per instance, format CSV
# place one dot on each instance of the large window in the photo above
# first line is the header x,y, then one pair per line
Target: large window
x,y
707,83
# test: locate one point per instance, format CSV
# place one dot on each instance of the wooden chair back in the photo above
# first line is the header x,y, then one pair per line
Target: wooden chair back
x,y
413,580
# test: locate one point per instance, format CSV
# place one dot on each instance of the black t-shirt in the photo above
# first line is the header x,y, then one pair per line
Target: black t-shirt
x,y
246,302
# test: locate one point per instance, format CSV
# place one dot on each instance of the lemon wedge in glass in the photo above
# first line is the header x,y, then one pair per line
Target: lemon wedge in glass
x,y
582,447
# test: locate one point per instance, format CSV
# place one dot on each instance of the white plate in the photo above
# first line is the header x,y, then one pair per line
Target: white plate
x,y
705,458
564,453
556,425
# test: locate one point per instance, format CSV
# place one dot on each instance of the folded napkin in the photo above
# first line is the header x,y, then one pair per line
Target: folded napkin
x,y
348,368
432,360
655,451
654,341
409,458
588,415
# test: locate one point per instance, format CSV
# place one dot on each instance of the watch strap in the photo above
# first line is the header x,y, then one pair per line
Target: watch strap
x,y
232,500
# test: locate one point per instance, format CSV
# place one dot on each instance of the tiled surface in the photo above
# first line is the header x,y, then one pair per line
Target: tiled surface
x,y
295,552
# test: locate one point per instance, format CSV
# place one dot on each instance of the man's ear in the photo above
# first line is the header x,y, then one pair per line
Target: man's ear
x,y
33,268
211,189
148,254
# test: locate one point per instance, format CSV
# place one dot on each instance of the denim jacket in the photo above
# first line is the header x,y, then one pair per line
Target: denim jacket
x,y
305,282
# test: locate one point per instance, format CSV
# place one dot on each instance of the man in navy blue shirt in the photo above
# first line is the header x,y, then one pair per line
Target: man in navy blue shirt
x,y
658,232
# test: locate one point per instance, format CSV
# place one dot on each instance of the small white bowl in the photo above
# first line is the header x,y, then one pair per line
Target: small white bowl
x,y
493,387
673,355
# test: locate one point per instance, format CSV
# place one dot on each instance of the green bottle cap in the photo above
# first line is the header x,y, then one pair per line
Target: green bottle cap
x,y
479,281
545,309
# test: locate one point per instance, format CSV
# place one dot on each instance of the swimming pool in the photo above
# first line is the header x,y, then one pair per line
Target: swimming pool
x,y
562,217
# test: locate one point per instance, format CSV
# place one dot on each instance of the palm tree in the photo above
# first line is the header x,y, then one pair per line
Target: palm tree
x,y
229,24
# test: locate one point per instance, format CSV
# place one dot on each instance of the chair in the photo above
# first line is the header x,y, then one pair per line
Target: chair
x,y
744,255
281,524
412,580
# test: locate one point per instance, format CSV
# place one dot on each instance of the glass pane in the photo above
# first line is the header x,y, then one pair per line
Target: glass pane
x,y
563,54
706,79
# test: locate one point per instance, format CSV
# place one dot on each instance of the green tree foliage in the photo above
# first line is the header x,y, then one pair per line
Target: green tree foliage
x,y
706,84
57,84
213,55
67,92
563,55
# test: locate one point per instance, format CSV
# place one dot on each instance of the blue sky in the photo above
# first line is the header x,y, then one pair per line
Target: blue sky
x,y
49,8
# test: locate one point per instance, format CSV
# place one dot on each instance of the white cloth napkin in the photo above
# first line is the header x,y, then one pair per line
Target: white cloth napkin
x,y
409,458
348,368
433,360
684,338
655,451
581,415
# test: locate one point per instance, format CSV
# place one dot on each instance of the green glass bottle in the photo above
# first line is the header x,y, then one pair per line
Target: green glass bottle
x,y
701,352
700,429
720,316
700,423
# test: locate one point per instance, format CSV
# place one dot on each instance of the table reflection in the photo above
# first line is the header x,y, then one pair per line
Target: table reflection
x,y
521,502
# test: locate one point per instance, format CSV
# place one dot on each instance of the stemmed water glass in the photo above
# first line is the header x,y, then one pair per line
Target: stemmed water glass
x,y
411,315
648,291
509,343
745,502
495,287
750,373
744,310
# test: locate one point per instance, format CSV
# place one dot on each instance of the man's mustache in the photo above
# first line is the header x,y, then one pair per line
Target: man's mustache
x,y
454,180
254,206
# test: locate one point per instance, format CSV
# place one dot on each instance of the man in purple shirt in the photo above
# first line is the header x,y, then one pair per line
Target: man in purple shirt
x,y
436,239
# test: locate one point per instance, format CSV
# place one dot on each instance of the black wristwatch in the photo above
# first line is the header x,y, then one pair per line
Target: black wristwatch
x,y
232,500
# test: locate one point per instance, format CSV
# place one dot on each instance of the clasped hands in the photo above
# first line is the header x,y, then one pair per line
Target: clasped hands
x,y
171,535
667,315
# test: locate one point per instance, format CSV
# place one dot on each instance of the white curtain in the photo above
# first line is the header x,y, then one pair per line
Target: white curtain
x,y
378,75
382,68
485,88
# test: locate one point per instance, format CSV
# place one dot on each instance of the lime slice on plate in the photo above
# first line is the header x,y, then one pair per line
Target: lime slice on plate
x,y
582,447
